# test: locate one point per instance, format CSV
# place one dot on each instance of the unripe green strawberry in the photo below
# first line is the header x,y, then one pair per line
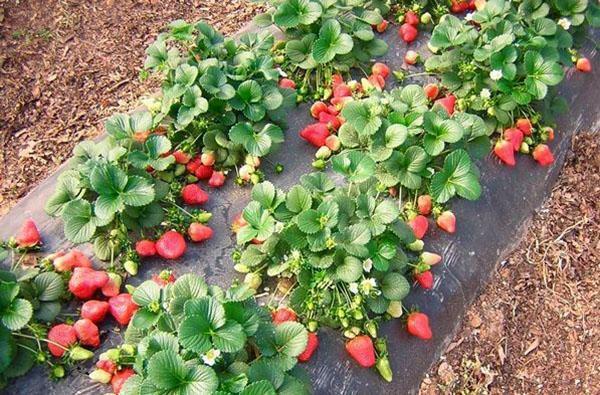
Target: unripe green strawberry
x,y
100,376
253,280
323,152
131,267
384,368
416,245
395,309
78,353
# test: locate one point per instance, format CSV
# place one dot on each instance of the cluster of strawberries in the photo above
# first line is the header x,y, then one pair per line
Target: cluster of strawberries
x,y
172,244
518,139
108,368
201,167
84,284
418,222
323,133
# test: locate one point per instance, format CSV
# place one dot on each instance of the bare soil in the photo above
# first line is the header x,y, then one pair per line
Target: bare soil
x,y
535,328
65,65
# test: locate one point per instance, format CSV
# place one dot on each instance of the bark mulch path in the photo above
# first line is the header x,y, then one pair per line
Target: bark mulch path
x,y
65,65
536,327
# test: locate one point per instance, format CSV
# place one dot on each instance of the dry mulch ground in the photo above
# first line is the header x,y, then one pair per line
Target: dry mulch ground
x,y
65,65
535,329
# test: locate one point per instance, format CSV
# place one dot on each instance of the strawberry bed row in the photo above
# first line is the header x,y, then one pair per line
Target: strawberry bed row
x,y
343,253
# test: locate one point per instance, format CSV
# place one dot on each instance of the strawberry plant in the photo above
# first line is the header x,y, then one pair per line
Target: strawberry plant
x,y
117,187
341,253
191,338
507,56
219,97
323,38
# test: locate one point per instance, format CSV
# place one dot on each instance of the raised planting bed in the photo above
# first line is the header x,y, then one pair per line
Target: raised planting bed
x,y
487,229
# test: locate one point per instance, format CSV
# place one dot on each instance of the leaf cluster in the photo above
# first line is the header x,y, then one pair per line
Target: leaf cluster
x,y
522,41
180,326
219,95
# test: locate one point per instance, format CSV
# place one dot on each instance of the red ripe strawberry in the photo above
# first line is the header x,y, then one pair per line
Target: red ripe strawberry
x,y
192,194
85,282
515,136
107,365
411,18
336,80
28,235
333,142
317,108
447,221
432,91
382,27
424,204
408,33
193,164
163,278
543,155
377,81
505,151
171,245
331,121
113,286
425,279
315,134
380,69
333,110
119,379
283,314
122,308
311,347
418,325
199,232
287,83
208,158
94,310
361,349
87,333
447,103
217,179
584,65
182,157
203,172
411,57
429,258
342,90
63,335
145,248
419,225
524,125
71,259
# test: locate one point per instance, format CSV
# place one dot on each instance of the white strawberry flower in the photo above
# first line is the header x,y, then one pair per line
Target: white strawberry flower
x,y
496,75
485,94
368,285
469,17
353,287
565,23
211,357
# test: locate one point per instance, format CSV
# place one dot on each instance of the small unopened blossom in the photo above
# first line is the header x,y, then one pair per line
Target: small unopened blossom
x,y
367,265
353,287
211,357
565,23
485,94
496,75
